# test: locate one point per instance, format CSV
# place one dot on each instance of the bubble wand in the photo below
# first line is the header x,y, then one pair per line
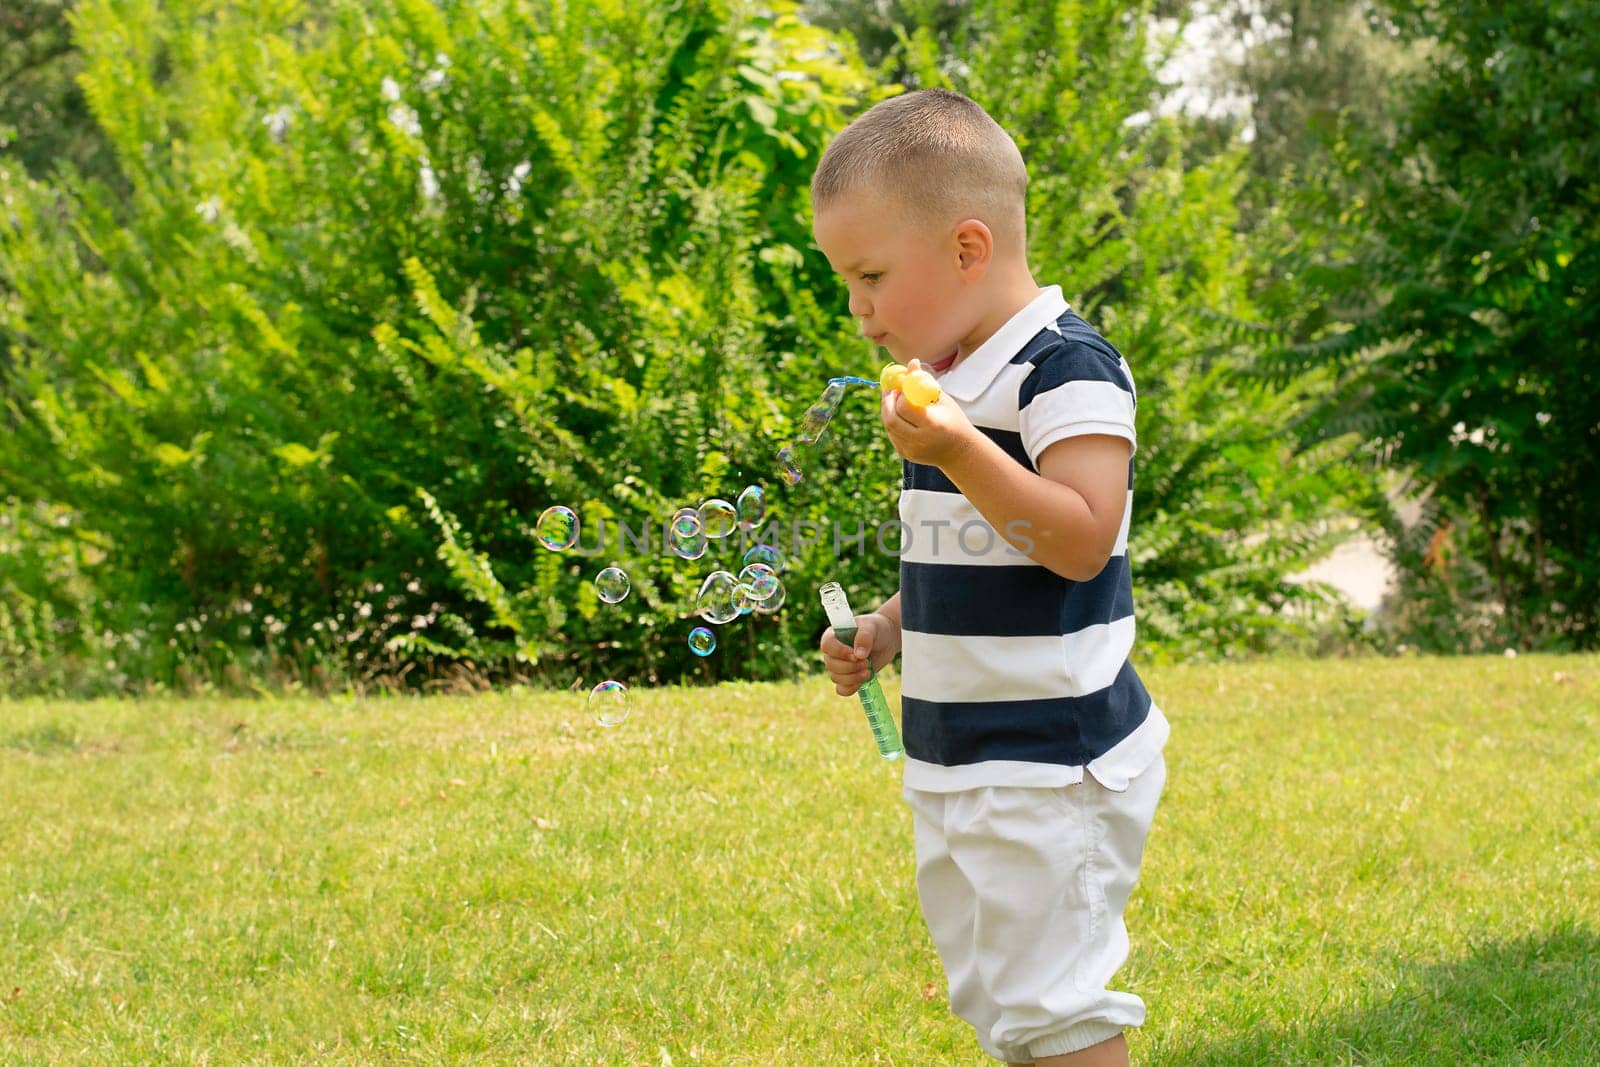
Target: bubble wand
x,y
843,621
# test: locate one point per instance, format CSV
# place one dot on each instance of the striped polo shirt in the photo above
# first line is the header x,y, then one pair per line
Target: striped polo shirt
x,y
1011,674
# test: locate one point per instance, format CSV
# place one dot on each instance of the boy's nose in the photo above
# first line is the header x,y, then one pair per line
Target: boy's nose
x,y
860,306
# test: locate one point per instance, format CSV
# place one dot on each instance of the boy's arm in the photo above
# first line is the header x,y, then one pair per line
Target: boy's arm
x,y
1066,517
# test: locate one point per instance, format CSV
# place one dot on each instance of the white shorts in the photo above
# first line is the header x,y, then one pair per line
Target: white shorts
x,y
1023,890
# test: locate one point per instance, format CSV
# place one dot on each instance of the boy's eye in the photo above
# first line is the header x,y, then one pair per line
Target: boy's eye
x,y
871,277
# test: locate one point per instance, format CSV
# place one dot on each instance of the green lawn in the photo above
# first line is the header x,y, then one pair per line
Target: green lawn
x,y
1371,861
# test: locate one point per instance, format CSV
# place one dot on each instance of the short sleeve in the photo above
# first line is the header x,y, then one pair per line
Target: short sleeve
x,y
1075,388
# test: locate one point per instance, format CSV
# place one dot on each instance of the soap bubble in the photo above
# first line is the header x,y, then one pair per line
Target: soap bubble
x,y
718,518
767,554
752,505
608,702
685,536
745,599
788,465
557,528
771,605
612,584
686,521
702,642
716,600
761,579
818,415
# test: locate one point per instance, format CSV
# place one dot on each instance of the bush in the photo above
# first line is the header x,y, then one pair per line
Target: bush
x,y
382,281
508,257
1446,280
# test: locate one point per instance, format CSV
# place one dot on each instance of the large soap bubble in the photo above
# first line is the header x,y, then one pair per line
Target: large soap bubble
x,y
818,415
717,600
752,507
718,518
761,580
608,703
686,537
767,554
771,605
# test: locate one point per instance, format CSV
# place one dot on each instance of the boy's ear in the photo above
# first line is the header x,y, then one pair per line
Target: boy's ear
x,y
974,247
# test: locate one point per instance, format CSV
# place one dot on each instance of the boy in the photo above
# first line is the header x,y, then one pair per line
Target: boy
x,y
1015,609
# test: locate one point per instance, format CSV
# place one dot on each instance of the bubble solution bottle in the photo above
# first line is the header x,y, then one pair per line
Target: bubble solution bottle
x,y
843,621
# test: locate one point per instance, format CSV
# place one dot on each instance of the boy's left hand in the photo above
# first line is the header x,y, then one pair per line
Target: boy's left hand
x,y
932,435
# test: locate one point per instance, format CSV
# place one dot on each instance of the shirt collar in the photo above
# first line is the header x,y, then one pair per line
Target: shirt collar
x,y
969,378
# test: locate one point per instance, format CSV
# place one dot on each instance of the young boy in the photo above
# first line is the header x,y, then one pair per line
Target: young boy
x,y
1015,609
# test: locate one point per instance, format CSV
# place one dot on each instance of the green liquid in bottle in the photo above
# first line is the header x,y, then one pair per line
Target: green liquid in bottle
x,y
873,701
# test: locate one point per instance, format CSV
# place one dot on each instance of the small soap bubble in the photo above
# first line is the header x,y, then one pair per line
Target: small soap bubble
x,y
745,599
716,602
608,703
557,528
718,518
761,580
752,506
686,538
771,605
789,465
612,584
702,642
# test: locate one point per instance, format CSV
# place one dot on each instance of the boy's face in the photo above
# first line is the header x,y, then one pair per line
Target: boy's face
x,y
905,280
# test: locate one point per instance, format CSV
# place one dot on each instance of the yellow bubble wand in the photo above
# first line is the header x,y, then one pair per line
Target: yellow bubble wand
x,y
919,387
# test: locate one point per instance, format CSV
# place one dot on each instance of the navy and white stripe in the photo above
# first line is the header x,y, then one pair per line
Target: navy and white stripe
x,y
1014,675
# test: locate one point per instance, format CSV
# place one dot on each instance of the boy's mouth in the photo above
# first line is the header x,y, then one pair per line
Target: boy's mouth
x,y
944,364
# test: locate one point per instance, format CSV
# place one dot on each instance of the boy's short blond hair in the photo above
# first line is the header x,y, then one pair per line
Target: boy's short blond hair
x,y
939,155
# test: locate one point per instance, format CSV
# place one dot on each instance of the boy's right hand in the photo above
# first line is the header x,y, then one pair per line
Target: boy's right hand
x,y
847,666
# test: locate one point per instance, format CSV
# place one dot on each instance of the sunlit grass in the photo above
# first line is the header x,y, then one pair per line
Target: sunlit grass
x,y
1356,861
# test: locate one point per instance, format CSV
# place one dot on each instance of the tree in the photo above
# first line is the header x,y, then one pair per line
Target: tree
x,y
1453,275
1302,69
44,119
880,27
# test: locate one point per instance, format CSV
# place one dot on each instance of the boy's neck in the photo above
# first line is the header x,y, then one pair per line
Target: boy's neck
x,y
1011,292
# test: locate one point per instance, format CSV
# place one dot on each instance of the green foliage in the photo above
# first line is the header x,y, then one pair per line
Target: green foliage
x,y
1450,302
44,119
40,596
507,255
379,282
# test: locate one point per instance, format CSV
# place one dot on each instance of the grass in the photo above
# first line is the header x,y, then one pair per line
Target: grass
x,y
1369,861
